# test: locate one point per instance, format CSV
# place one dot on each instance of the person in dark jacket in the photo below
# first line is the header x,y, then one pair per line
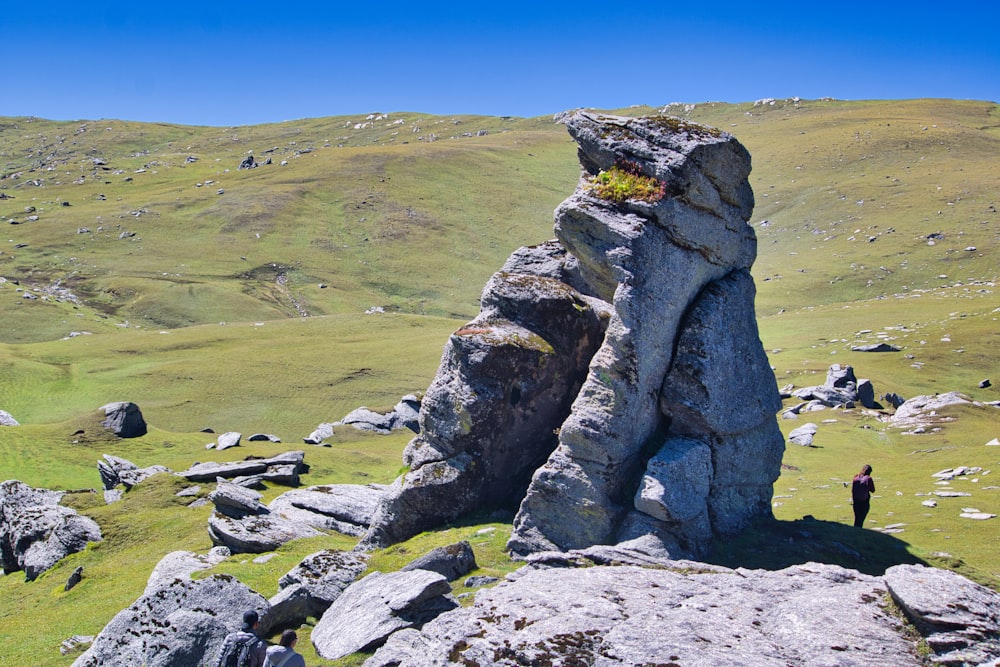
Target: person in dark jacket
x,y
234,640
862,488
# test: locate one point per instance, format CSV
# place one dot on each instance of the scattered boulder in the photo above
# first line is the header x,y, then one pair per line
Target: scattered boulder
x,y
984,384
227,440
75,643
841,389
803,435
322,432
74,578
684,615
453,561
921,412
116,471
124,419
283,469
309,588
875,347
183,622
370,610
36,532
7,419
263,437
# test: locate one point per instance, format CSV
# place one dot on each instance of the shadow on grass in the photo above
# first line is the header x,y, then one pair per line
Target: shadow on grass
x,y
773,545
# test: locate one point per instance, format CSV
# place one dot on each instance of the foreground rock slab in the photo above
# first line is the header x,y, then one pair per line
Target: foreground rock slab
x,y
808,614
378,605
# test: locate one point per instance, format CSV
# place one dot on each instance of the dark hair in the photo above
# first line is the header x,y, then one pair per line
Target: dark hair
x,y
866,470
250,619
288,638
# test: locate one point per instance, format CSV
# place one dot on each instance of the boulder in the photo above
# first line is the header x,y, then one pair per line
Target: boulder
x,y
960,619
373,608
453,561
124,419
506,380
803,435
244,525
839,390
309,588
227,440
179,624
7,419
255,533
922,411
115,470
283,468
322,432
806,614
875,347
345,508
36,532
263,437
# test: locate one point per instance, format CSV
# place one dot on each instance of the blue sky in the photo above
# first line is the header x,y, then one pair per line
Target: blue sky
x,y
243,63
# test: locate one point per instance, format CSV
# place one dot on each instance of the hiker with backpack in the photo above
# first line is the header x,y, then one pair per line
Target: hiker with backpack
x,y
282,655
243,648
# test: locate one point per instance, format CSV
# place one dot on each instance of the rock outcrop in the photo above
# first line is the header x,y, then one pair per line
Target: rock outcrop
x,y
115,471
178,623
309,588
841,389
805,614
124,419
622,356
244,525
36,532
7,419
373,608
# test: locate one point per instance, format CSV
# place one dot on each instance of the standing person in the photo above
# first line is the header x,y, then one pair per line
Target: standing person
x,y
282,655
243,648
862,489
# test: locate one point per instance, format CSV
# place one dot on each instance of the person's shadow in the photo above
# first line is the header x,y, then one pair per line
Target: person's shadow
x,y
770,544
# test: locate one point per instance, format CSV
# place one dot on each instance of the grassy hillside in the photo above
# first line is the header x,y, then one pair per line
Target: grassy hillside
x,y
140,264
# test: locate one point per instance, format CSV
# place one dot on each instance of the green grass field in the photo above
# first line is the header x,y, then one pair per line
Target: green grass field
x,y
245,311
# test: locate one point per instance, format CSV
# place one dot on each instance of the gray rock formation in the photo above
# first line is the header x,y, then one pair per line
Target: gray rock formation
x,y
227,440
632,338
803,435
179,624
7,419
244,525
309,588
345,508
959,618
124,419
115,471
807,614
921,412
451,562
405,414
282,469
36,532
375,607
841,389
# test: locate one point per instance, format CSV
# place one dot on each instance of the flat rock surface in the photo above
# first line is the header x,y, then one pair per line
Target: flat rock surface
x,y
811,614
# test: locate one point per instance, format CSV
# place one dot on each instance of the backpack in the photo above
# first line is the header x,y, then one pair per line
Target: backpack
x,y
240,652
